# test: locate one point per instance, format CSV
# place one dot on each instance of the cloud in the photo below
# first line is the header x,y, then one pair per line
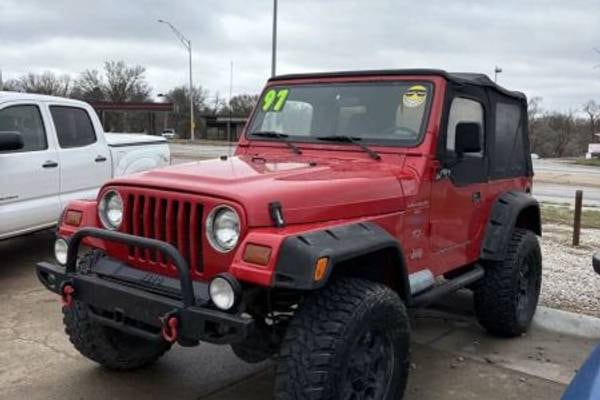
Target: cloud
x,y
544,47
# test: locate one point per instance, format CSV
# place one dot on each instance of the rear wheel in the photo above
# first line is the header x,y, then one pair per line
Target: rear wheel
x,y
348,341
506,298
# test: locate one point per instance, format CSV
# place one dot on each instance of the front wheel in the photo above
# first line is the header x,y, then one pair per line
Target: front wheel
x,y
108,347
347,341
506,298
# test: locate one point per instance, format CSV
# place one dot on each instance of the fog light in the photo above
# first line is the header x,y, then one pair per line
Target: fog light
x,y
224,291
61,249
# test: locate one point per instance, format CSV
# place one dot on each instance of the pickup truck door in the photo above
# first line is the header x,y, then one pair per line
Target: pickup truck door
x,y
29,177
85,161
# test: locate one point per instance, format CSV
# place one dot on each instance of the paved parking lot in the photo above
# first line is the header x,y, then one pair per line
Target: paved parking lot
x,y
453,358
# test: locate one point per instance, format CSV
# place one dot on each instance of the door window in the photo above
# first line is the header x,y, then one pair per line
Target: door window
x,y
26,120
73,126
465,110
509,151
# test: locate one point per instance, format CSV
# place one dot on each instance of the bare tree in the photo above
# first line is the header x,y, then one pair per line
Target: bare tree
x,y
119,83
592,110
124,83
11,85
241,105
45,83
534,112
180,97
562,132
90,86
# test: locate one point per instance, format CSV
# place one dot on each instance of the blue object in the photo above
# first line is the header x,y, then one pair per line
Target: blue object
x,y
586,384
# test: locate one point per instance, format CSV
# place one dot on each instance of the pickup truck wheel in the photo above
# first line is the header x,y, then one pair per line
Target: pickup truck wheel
x,y
506,299
347,341
109,347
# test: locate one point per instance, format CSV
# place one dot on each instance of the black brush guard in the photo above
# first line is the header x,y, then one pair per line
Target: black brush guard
x,y
139,302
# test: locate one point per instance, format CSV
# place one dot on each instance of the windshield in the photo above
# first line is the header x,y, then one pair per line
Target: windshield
x,y
374,112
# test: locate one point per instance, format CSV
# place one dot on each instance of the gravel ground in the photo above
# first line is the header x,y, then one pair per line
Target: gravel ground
x,y
569,282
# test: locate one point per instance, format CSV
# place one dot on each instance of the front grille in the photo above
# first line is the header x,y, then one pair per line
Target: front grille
x,y
178,222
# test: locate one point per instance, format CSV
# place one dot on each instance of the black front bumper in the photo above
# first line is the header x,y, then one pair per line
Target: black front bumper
x,y
138,302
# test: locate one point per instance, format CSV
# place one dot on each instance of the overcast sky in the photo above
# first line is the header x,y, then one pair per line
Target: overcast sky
x,y
546,48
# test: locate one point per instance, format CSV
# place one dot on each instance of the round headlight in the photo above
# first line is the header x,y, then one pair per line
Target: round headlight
x,y
224,291
110,210
61,248
223,228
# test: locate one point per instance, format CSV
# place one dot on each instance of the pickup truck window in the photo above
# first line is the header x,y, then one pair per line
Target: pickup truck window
x,y
73,126
387,113
27,120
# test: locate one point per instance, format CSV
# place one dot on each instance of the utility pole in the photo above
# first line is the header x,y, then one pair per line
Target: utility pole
x,y
188,45
274,40
229,139
1,83
497,70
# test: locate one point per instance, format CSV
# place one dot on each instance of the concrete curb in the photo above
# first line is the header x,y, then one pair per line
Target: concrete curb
x,y
567,323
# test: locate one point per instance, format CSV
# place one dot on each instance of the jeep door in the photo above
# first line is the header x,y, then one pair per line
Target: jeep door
x,y
85,162
457,196
29,177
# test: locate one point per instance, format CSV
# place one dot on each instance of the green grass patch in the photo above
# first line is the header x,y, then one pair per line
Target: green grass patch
x,y
592,162
565,216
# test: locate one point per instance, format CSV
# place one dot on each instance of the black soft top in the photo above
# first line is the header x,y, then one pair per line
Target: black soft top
x,y
460,78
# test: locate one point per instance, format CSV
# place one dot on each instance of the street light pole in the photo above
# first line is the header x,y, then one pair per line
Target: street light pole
x,y
497,70
274,40
188,45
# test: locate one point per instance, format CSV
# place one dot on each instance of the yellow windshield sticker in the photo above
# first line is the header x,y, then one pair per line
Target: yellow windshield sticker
x,y
415,96
274,100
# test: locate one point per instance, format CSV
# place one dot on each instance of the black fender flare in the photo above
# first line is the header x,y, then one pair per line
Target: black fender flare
x,y
298,254
511,209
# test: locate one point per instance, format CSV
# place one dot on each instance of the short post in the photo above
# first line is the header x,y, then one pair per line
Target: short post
x,y
577,219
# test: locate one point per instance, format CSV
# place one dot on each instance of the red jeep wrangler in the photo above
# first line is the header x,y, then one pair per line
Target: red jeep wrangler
x,y
352,197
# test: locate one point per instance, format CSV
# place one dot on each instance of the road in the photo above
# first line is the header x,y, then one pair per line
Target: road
x,y
563,166
565,194
199,151
453,358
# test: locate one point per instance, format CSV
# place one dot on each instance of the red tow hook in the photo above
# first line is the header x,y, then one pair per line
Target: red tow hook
x,y
67,295
169,329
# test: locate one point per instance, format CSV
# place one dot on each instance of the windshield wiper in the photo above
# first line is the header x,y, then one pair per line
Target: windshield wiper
x,y
351,139
278,135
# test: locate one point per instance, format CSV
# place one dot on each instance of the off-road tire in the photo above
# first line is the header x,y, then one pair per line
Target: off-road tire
x,y
247,354
506,298
108,347
328,330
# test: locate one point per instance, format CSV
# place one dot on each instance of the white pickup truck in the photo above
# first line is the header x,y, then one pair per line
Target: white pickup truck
x,y
53,150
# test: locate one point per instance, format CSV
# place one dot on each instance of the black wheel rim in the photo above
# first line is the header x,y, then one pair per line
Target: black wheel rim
x,y
526,288
369,369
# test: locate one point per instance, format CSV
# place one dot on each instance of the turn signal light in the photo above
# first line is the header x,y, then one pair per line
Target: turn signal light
x,y
321,268
73,218
256,254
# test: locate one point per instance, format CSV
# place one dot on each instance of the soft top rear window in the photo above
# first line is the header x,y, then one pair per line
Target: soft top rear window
x,y
394,112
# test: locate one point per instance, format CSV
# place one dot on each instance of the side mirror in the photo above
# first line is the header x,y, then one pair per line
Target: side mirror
x,y
596,262
10,141
467,139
